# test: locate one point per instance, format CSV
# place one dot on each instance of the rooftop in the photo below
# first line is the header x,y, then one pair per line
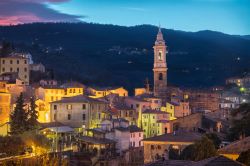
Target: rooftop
x,y
180,136
236,147
150,111
79,99
96,140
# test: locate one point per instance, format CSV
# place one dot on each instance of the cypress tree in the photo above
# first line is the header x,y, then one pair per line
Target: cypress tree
x,y
32,115
18,118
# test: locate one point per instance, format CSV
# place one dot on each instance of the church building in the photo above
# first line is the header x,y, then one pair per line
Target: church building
x,y
160,66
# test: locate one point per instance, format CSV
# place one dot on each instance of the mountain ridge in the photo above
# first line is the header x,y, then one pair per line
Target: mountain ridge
x,y
110,55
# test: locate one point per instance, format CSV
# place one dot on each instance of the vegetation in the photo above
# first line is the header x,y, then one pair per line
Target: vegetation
x,y
6,49
240,122
32,115
245,157
214,137
11,145
19,117
200,150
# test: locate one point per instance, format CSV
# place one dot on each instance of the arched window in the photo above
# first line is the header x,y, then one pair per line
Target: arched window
x,y
160,76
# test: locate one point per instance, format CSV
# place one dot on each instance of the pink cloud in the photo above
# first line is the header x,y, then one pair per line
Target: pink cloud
x,y
28,11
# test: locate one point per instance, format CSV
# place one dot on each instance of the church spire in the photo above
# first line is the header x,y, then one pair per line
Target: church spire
x,y
159,38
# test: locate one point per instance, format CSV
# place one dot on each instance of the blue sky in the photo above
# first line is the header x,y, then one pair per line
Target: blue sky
x,y
228,16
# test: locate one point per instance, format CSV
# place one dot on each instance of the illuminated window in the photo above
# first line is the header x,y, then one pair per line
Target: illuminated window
x,y
69,106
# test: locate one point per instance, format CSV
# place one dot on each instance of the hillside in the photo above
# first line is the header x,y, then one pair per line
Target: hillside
x,y
115,55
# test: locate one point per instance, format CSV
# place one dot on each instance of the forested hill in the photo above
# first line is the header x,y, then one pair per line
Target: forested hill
x,y
114,55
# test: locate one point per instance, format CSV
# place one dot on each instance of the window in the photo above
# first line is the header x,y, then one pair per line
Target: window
x,y
3,69
55,107
83,117
139,134
69,107
132,106
25,76
159,147
11,69
11,61
25,61
69,116
137,105
160,76
17,61
139,143
25,69
3,61
52,98
133,144
54,116
152,147
74,91
84,106
17,69
160,55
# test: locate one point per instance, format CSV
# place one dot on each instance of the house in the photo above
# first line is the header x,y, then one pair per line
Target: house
x,y
158,146
234,149
80,112
152,122
169,109
97,92
16,63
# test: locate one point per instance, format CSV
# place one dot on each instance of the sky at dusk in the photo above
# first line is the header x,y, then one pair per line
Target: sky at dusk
x,y
228,16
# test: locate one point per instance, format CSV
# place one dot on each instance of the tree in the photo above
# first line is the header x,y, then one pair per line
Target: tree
x,y
200,150
240,122
244,157
18,119
32,115
7,49
216,140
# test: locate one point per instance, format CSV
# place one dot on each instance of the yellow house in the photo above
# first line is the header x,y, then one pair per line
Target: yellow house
x,y
5,99
16,64
43,113
140,91
151,122
233,150
102,92
169,109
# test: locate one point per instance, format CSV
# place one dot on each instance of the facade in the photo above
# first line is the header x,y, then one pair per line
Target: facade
x,y
102,92
158,146
140,91
152,122
16,64
79,111
200,100
160,66
181,109
136,136
169,108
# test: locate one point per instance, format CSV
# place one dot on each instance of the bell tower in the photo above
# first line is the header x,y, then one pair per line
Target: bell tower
x,y
160,66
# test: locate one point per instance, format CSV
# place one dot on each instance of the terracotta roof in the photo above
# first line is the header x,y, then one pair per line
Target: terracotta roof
x,y
217,161
95,140
236,147
179,136
213,161
78,99
150,111
134,128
